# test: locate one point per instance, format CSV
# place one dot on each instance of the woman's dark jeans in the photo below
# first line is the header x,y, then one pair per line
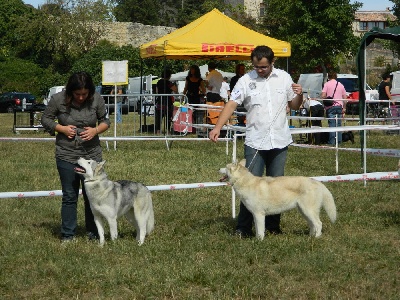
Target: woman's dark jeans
x,y
70,183
332,113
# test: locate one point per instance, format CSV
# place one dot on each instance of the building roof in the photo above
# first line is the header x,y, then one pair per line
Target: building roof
x,y
374,16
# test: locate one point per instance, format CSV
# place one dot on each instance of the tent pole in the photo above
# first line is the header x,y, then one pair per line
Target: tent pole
x,y
140,97
365,112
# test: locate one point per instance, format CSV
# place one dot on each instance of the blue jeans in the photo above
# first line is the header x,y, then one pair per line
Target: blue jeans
x,y
333,112
70,183
118,111
273,161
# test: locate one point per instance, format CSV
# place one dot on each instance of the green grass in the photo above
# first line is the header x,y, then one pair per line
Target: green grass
x,y
192,254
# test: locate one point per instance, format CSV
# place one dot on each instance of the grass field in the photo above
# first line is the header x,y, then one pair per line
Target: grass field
x,y
192,254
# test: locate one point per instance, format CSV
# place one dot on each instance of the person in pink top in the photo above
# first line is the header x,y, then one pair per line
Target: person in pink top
x,y
336,90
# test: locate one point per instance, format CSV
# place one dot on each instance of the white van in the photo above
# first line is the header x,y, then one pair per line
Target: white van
x,y
312,85
53,90
395,91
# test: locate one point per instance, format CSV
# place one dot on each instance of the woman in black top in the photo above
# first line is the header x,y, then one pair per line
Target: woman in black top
x,y
384,89
194,90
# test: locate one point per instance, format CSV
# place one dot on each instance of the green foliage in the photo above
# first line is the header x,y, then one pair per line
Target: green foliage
x,y
318,30
59,39
140,11
170,12
379,61
13,75
24,76
62,36
392,45
11,11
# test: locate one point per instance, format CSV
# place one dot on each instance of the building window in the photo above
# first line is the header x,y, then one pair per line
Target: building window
x,y
262,9
363,26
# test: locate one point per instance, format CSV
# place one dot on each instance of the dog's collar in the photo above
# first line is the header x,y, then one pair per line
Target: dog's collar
x,y
89,180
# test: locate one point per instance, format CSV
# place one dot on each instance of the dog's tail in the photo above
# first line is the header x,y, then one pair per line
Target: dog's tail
x,y
150,220
329,204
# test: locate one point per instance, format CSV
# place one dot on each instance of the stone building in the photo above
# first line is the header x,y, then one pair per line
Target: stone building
x,y
366,20
135,34
254,8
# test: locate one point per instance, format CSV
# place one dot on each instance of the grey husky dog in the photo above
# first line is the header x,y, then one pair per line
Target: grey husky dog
x,y
273,195
112,199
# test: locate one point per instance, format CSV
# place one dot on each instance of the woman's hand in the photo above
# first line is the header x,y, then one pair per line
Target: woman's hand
x,y
89,133
68,130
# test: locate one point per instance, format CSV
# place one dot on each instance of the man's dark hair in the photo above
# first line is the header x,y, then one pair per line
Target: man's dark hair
x,y
212,65
260,52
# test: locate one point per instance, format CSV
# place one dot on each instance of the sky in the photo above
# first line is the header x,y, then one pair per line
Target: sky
x,y
368,4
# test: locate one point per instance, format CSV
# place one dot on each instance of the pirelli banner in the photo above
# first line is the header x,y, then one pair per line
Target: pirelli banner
x,y
212,36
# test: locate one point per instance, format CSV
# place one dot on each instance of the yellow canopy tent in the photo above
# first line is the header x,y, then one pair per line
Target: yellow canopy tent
x,y
212,36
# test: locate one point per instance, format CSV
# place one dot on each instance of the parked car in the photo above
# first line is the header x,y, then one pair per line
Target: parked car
x,y
18,101
350,82
53,90
105,91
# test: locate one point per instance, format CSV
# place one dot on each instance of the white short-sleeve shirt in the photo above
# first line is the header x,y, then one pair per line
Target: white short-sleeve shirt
x,y
265,100
215,80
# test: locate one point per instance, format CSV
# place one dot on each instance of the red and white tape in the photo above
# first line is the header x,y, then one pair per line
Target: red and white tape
x,y
172,187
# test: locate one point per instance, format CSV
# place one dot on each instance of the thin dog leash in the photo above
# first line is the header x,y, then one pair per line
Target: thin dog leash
x,y
78,142
251,165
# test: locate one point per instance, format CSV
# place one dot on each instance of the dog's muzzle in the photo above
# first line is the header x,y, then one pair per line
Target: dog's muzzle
x,y
225,177
79,170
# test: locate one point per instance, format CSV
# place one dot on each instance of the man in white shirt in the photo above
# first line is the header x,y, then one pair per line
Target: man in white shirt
x,y
265,93
225,90
214,81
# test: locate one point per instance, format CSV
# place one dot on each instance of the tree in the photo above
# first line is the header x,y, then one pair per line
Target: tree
x,y
318,31
61,32
194,9
24,76
10,12
139,11
395,47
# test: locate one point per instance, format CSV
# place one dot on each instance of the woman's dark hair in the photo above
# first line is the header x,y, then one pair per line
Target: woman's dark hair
x,y
332,75
237,70
166,74
260,52
196,69
385,75
78,81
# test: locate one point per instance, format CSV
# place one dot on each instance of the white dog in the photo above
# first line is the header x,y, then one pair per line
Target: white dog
x,y
273,195
112,199
398,167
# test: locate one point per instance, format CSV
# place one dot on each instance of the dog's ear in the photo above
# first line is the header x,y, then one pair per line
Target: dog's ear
x,y
99,166
242,163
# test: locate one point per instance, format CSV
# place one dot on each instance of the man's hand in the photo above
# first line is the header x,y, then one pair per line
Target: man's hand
x,y
297,89
214,135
